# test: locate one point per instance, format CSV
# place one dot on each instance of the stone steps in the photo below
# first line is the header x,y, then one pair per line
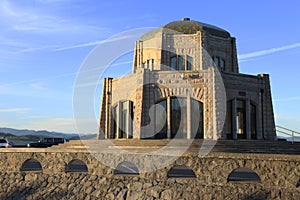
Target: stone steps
x,y
229,146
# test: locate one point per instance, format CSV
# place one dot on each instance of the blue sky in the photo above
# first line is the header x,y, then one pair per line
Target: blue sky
x,y
44,42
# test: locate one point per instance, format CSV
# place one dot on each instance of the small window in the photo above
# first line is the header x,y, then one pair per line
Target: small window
x,y
243,175
31,165
298,183
181,172
59,140
173,63
3,141
222,63
77,166
180,63
189,63
152,64
217,61
126,168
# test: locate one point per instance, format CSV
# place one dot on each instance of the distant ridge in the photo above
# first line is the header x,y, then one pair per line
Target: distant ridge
x,y
44,133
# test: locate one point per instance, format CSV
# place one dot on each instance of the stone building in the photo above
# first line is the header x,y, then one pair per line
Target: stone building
x,y
185,83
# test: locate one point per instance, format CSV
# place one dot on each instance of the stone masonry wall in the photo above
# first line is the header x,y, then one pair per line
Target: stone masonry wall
x,y
278,174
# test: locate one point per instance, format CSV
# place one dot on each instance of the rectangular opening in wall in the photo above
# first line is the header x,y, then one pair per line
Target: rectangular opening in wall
x,y
173,62
180,63
242,94
189,63
161,120
253,122
229,131
241,119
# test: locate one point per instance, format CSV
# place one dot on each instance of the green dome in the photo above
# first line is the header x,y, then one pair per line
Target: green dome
x,y
187,26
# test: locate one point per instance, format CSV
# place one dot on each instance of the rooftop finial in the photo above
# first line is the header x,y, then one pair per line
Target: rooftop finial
x,y
186,19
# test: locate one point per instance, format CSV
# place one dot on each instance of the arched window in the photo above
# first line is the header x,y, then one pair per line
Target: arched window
x,y
76,166
243,175
126,168
31,165
181,171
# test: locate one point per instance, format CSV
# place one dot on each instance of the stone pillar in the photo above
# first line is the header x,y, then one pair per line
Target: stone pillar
x,y
129,120
118,120
248,119
234,128
139,79
105,110
169,117
188,118
259,117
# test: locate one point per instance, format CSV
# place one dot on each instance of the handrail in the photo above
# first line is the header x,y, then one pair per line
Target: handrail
x,y
294,134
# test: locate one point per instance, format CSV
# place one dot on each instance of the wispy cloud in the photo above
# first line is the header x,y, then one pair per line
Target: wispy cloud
x,y
94,43
87,44
30,25
267,51
31,49
37,83
63,48
7,10
38,86
35,117
10,110
43,19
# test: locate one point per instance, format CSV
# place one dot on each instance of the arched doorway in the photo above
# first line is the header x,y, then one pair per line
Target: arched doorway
x,y
122,119
197,124
185,118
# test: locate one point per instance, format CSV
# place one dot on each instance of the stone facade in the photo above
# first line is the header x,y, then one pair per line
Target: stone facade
x,y
278,177
185,83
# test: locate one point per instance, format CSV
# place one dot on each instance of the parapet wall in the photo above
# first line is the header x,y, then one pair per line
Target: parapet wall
x,y
279,175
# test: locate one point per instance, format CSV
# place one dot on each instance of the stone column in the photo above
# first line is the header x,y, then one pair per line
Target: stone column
x,y
188,117
168,117
129,120
234,128
259,118
248,119
118,120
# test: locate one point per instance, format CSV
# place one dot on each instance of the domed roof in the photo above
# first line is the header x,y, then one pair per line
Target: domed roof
x,y
187,26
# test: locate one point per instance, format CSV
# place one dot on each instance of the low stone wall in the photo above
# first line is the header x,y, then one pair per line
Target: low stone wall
x,y
279,175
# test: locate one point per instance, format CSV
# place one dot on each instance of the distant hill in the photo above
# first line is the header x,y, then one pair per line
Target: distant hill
x,y
43,134
23,137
